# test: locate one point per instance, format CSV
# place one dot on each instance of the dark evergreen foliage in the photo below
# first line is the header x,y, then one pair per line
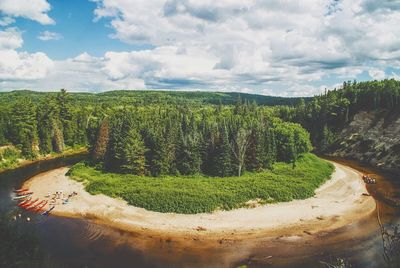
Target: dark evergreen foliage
x,y
326,115
214,140
160,133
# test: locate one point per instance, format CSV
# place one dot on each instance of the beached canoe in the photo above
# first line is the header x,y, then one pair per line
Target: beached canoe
x,y
25,201
40,207
23,193
21,197
21,190
34,206
30,203
47,212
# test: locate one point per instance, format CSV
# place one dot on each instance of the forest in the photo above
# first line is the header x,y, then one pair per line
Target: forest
x,y
169,133
154,139
218,141
324,116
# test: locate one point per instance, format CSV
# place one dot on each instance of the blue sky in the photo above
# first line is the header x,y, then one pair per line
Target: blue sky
x,y
286,48
80,33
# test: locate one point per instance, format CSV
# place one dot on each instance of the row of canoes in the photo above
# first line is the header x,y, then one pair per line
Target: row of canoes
x,y
27,203
35,205
21,194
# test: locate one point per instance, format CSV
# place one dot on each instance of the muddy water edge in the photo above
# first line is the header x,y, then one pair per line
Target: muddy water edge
x,y
63,242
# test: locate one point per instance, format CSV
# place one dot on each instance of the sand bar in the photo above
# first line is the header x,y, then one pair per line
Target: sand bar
x,y
338,202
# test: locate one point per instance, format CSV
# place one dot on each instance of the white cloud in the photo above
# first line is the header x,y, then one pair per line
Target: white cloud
x,y
10,39
283,47
5,21
263,41
23,66
16,65
33,9
46,36
377,74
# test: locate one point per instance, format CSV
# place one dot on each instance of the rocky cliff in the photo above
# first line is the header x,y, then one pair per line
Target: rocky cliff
x,y
371,137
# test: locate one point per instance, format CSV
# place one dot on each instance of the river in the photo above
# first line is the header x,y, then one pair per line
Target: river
x,y
63,242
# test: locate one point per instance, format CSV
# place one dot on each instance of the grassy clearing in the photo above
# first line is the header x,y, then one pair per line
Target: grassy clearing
x,y
196,194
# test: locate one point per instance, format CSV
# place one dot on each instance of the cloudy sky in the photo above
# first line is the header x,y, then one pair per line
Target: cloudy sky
x,y
271,47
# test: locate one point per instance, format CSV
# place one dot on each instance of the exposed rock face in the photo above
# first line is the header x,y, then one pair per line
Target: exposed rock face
x,y
371,137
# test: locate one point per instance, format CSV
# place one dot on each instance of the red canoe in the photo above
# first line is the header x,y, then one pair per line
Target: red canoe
x,y
23,193
35,205
30,203
32,206
25,201
40,207
21,190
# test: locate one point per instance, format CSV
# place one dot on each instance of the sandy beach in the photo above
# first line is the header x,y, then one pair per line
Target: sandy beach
x,y
337,203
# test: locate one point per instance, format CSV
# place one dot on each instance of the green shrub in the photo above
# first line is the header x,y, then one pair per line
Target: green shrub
x,y
199,193
9,158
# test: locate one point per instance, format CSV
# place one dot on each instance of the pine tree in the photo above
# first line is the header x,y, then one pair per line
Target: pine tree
x,y
114,153
222,158
188,157
66,116
270,142
48,126
133,159
58,138
100,148
156,155
256,151
24,127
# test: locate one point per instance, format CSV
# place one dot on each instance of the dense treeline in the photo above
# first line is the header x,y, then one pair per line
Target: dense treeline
x,y
45,126
326,115
152,139
137,97
214,140
155,133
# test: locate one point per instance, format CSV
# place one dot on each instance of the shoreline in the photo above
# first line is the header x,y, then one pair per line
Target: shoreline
x,y
337,203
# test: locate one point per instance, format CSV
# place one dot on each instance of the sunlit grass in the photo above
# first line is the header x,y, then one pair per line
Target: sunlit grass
x,y
196,194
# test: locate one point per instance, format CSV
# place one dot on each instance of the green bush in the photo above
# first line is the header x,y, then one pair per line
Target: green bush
x,y
198,193
9,158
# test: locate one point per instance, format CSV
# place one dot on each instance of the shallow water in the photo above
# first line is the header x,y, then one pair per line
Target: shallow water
x,y
63,242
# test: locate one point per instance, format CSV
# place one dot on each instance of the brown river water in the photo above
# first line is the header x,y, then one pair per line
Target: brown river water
x,y
64,242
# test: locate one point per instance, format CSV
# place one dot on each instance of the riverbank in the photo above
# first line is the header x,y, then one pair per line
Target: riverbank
x,y
337,203
26,162
199,193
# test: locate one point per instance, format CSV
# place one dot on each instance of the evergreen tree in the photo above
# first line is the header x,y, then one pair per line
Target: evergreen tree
x,y
66,116
133,154
222,157
58,138
48,121
24,127
100,147
256,152
188,158
156,155
271,154
3,125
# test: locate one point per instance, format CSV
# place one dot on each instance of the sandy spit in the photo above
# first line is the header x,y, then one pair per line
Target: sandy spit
x,y
337,203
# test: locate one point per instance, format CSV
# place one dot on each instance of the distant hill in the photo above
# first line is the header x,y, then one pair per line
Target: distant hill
x,y
152,97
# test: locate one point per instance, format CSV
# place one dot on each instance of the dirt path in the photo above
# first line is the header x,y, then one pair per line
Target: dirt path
x,y
337,203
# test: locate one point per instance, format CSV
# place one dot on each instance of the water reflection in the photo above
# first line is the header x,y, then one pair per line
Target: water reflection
x,y
61,242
